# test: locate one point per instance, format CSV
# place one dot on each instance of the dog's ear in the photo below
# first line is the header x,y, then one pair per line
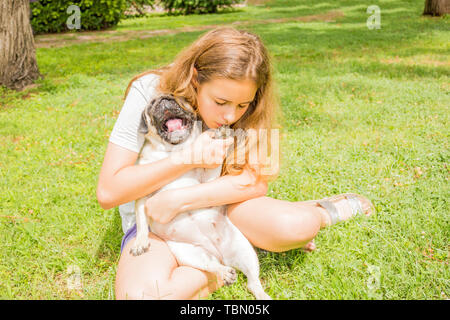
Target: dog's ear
x,y
146,119
143,127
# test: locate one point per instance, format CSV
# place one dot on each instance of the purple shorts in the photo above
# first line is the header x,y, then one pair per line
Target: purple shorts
x,y
131,233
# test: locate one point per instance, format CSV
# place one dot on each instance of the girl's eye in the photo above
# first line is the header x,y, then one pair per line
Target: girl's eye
x,y
239,106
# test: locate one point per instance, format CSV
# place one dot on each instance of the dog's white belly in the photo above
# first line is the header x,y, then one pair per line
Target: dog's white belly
x,y
202,227
197,227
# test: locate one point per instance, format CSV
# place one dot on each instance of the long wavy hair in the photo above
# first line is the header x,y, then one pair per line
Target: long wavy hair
x,y
226,52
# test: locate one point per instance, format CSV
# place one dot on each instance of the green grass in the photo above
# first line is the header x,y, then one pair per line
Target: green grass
x,y
366,111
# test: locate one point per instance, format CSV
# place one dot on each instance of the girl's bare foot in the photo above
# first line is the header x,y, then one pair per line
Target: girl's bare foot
x,y
309,247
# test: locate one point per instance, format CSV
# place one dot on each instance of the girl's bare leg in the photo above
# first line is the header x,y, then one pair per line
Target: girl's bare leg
x,y
277,225
269,224
156,275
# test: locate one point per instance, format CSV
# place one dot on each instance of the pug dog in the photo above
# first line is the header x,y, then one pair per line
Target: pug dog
x,y
205,238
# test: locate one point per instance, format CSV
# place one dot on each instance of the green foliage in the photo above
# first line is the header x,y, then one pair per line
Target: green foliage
x,y
196,6
140,3
52,16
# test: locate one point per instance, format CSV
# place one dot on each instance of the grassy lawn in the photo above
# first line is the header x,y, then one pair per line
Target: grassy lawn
x,y
365,111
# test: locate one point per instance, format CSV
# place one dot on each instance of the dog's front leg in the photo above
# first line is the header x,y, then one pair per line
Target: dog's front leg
x,y
142,242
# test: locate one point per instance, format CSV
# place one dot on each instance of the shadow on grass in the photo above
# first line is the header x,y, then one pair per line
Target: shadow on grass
x,y
109,248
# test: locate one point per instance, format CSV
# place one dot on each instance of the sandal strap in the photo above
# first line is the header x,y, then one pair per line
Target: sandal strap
x,y
331,209
355,204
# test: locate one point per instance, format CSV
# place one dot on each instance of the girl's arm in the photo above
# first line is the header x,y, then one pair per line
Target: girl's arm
x,y
165,205
224,190
122,181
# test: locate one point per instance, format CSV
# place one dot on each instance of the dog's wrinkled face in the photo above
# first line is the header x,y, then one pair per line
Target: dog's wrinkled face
x,y
171,122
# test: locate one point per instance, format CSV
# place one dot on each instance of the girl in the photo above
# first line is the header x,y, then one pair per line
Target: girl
x,y
226,75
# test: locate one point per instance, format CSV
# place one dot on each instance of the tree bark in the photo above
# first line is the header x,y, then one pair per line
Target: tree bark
x,y
138,9
18,66
436,7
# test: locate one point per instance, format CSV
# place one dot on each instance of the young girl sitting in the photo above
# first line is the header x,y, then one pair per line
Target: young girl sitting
x,y
226,75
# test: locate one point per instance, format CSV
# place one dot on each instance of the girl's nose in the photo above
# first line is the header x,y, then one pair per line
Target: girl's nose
x,y
229,116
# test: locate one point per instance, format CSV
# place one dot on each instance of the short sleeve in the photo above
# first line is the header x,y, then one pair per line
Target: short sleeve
x,y
125,131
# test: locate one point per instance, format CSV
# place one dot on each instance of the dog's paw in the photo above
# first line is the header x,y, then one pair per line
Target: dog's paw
x,y
228,275
257,290
263,296
139,247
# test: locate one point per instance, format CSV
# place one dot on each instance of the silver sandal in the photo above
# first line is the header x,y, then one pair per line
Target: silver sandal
x,y
354,200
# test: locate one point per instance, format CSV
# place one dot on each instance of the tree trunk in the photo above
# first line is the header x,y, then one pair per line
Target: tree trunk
x,y
18,66
138,9
436,7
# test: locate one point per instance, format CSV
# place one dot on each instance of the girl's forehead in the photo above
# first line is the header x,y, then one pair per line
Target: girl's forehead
x,y
232,90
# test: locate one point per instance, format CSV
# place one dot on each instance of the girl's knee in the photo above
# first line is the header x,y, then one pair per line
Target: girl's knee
x,y
301,225
185,283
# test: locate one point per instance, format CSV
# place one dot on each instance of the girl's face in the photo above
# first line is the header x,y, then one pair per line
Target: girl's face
x,y
224,101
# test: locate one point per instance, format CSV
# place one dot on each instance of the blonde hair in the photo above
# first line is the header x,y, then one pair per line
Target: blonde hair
x,y
226,52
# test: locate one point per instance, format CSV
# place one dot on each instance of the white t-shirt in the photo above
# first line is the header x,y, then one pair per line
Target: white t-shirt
x,y
125,132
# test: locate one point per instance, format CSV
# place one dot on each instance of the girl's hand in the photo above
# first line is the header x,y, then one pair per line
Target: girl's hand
x,y
162,207
207,152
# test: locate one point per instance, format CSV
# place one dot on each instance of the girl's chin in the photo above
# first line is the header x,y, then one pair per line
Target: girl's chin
x,y
212,125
